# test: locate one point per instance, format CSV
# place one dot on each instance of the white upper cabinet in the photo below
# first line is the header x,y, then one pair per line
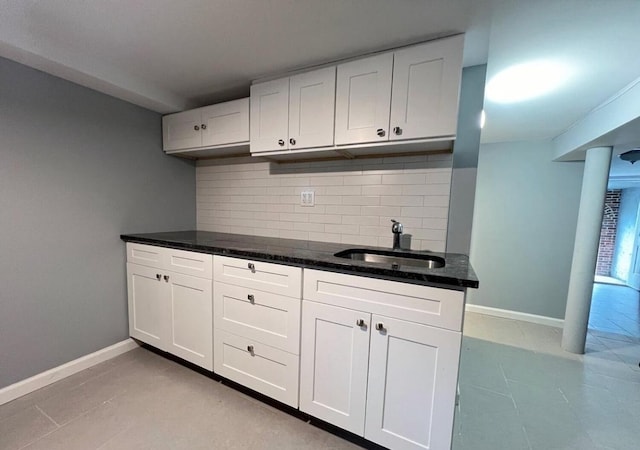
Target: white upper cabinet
x,y
363,96
224,124
181,130
311,108
426,84
270,115
292,113
408,94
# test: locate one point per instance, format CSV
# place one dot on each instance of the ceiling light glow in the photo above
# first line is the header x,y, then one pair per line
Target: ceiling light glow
x,y
526,81
483,119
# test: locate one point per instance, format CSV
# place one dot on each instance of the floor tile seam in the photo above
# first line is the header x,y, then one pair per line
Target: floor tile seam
x,y
47,416
490,390
506,382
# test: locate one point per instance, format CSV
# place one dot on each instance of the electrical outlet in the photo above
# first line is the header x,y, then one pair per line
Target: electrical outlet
x,y
307,198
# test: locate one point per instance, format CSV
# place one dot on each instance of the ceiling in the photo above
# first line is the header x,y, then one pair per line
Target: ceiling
x,y
169,55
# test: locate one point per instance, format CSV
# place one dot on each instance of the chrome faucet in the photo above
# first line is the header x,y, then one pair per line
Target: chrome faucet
x,y
396,229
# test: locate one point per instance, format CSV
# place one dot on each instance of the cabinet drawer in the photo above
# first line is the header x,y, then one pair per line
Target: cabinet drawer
x,y
269,277
422,304
145,255
189,263
272,319
264,369
180,261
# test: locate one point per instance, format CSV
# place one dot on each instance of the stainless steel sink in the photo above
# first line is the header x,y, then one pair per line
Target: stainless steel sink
x,y
394,259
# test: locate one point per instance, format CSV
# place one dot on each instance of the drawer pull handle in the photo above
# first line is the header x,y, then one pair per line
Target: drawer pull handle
x,y
250,349
360,322
251,298
166,278
380,326
158,276
252,267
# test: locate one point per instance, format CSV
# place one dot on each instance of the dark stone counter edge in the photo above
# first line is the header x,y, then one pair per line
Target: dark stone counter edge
x,y
428,279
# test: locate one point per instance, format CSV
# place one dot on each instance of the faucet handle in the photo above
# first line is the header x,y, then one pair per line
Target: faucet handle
x,y
396,227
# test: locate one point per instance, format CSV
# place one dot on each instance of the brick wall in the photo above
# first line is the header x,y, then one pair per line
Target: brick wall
x,y
608,232
354,199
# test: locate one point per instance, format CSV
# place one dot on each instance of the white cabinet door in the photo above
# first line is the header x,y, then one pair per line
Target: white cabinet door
x,y
225,123
426,85
363,99
270,116
191,319
181,130
312,108
333,365
148,307
413,373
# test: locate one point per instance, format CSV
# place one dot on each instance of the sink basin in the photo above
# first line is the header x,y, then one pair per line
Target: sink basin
x,y
396,259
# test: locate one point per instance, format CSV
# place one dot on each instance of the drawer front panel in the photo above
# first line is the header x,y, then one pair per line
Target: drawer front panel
x,y
265,369
146,255
262,316
269,277
189,263
422,304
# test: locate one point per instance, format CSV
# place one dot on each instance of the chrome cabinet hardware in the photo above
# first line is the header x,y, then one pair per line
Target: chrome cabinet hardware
x,y
292,141
196,127
251,298
203,126
360,322
380,132
158,276
252,267
166,278
280,142
250,349
397,130
380,326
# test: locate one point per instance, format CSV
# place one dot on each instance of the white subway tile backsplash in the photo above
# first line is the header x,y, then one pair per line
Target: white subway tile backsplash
x,y
416,178
354,199
401,200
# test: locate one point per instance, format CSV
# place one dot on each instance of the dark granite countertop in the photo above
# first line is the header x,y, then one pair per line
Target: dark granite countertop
x,y
456,274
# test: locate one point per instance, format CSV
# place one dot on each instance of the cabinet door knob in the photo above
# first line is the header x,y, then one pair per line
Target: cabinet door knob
x,y
158,276
203,126
166,278
251,267
380,326
397,130
292,141
380,132
251,298
196,127
360,322
281,142
250,349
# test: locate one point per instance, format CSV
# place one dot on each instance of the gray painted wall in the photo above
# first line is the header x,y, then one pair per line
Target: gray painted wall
x,y
625,233
77,169
524,226
465,160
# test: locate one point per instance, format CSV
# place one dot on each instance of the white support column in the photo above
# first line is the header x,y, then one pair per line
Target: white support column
x,y
585,251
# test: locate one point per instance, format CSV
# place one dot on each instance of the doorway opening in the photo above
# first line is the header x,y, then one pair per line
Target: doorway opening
x,y
615,307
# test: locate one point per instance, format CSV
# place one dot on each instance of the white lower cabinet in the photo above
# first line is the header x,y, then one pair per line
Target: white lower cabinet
x,y
263,368
388,379
333,364
257,325
170,310
411,390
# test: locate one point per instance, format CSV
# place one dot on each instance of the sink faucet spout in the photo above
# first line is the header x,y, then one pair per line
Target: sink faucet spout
x,y
396,229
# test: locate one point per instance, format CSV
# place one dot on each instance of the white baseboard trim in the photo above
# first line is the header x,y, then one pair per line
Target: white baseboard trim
x,y
43,379
515,315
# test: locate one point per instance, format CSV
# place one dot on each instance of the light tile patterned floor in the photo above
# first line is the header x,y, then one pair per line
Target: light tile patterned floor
x,y
519,390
